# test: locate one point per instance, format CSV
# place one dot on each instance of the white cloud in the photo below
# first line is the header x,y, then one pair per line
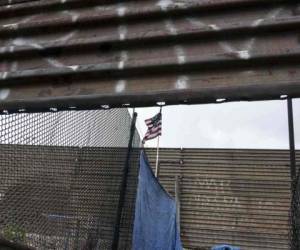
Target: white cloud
x,y
228,125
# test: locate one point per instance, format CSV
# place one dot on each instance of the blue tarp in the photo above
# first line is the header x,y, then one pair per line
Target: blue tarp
x,y
225,247
155,226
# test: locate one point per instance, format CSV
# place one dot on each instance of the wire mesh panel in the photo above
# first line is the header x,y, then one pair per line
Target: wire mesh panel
x,y
60,176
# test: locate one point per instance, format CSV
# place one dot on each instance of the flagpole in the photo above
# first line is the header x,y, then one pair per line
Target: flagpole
x,y
157,156
157,153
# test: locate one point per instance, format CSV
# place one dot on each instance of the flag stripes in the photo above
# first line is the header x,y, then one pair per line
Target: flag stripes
x,y
154,125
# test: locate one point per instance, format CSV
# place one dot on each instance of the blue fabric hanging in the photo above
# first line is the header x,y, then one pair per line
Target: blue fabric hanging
x,y
155,226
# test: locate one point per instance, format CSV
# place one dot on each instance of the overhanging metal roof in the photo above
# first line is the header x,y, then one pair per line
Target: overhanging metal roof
x,y
87,54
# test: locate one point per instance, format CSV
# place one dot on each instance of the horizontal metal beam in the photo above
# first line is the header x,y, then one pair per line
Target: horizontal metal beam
x,y
172,89
90,55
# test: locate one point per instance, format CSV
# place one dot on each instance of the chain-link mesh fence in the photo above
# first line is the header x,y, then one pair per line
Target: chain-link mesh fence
x,y
60,178
295,214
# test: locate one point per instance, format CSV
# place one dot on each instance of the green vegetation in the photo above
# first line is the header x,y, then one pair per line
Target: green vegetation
x,y
14,233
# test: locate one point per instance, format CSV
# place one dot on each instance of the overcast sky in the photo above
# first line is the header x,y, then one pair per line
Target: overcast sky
x,y
261,125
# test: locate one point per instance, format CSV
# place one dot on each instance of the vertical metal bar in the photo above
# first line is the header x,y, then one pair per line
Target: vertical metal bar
x,y
291,138
115,243
294,242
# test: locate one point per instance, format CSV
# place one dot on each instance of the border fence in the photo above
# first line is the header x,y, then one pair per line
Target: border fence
x,y
232,196
68,180
295,215
62,179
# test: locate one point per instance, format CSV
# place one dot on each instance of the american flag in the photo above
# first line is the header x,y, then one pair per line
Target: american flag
x,y
154,127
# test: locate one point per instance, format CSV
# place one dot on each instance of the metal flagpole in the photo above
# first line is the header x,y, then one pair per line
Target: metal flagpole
x,y
157,154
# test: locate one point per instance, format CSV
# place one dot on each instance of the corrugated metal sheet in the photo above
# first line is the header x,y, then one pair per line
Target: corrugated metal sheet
x,y
90,53
240,197
8,3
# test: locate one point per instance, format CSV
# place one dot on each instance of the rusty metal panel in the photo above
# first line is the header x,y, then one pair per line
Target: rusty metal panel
x,y
239,197
89,54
